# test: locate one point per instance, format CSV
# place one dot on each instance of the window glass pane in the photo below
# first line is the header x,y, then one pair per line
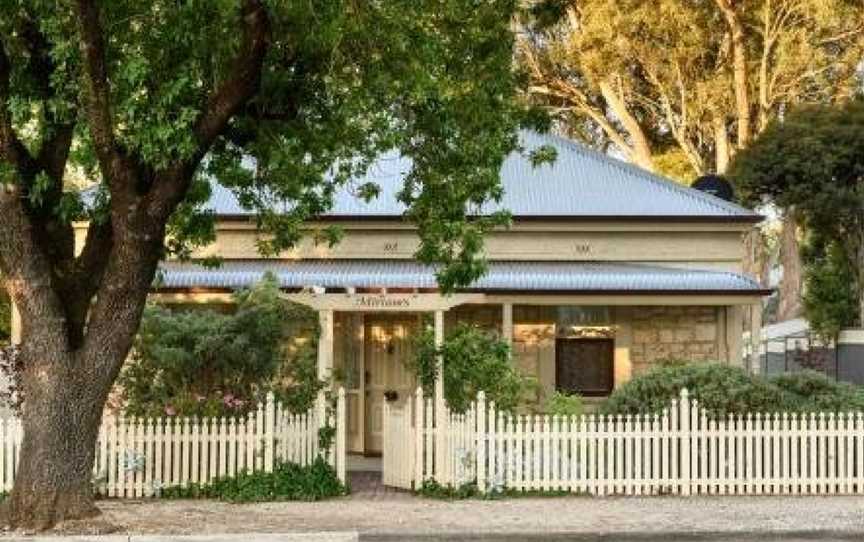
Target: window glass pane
x,y
582,316
584,366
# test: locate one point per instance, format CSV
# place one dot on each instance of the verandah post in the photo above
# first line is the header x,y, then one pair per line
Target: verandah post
x,y
325,358
440,407
340,434
684,437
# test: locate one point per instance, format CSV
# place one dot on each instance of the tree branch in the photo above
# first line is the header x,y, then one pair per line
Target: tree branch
x,y
229,98
11,148
98,94
244,79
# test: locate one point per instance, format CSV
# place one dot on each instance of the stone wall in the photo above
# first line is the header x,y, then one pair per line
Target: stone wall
x,y
686,333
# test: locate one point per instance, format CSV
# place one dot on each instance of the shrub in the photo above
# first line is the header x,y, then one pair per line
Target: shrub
x,y
474,360
719,388
562,404
207,363
809,391
287,482
722,389
434,490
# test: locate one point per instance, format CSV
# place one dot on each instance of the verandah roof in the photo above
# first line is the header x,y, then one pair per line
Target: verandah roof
x,y
585,277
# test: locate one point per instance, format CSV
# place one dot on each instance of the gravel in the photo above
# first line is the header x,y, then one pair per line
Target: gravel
x,y
417,516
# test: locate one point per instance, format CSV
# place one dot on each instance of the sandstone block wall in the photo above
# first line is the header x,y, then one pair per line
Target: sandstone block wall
x,y
686,333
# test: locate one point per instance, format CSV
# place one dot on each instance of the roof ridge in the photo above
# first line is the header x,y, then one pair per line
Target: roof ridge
x,y
648,175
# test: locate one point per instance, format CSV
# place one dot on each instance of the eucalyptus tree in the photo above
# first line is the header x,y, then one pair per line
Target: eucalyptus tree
x,y
281,100
814,161
678,86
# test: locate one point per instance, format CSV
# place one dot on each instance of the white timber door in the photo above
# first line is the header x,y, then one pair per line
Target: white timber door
x,y
389,344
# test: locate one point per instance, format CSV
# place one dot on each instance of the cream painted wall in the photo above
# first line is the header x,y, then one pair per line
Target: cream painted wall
x,y
698,245
687,248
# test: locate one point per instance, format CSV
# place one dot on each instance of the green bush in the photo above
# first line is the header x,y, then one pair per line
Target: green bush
x,y
434,490
810,391
722,389
287,482
208,363
474,360
563,404
719,388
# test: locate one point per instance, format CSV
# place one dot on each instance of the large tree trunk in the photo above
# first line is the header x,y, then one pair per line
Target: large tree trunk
x,y
61,417
740,75
790,258
65,389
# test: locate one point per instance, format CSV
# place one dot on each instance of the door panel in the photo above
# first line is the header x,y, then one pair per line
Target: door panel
x,y
349,354
388,345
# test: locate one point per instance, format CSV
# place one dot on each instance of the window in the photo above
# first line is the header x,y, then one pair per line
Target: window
x,y
584,366
570,316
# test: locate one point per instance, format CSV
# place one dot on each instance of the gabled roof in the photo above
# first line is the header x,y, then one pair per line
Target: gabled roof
x,y
559,277
580,184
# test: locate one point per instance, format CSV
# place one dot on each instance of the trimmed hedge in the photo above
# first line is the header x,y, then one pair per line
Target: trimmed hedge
x,y
722,389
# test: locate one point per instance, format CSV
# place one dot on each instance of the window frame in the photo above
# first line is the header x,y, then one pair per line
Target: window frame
x,y
611,361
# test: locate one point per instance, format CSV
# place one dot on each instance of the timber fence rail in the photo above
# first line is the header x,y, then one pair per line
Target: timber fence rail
x,y
681,450
137,457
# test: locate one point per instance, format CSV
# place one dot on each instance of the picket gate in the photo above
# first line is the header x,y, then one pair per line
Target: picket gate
x,y
137,457
681,450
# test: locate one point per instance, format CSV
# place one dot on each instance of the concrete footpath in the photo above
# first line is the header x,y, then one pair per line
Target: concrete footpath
x,y
405,517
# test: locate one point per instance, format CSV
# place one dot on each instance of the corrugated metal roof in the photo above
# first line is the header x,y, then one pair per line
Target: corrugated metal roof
x,y
521,276
581,182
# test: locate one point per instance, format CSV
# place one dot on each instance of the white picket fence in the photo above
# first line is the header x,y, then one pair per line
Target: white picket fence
x,y
681,450
138,457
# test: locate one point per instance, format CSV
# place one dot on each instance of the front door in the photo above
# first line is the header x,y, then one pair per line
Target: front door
x,y
389,343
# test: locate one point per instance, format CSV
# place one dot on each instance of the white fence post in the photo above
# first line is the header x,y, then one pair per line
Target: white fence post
x,y
482,439
269,431
683,432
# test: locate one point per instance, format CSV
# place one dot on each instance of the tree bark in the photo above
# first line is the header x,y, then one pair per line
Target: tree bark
x,y
60,418
740,75
640,148
721,146
790,257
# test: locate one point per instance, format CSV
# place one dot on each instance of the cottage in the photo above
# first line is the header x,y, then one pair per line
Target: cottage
x,y
606,270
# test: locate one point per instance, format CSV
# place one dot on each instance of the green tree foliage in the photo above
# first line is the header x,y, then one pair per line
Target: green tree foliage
x,y
207,363
812,162
474,360
282,101
722,389
830,298
675,85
